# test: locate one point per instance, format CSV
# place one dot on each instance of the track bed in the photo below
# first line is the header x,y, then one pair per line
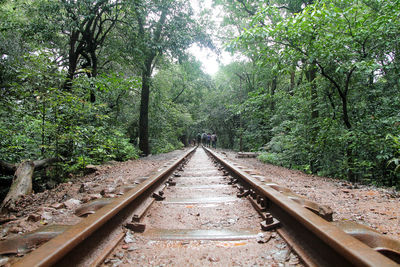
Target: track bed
x,y
201,210
201,222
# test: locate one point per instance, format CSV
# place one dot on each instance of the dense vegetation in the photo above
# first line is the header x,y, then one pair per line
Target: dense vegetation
x,y
87,81
319,90
76,76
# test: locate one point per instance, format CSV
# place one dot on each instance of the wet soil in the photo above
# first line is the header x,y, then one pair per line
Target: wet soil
x,y
378,208
58,205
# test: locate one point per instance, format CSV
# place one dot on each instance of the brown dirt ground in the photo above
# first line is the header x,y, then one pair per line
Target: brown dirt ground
x,y
378,208
57,206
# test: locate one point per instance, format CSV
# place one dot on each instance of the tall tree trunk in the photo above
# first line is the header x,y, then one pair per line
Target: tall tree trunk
x,y
292,80
311,75
72,60
346,119
274,84
93,74
349,150
146,75
144,108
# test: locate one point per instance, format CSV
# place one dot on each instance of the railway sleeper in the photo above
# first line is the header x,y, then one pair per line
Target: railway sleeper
x,y
135,227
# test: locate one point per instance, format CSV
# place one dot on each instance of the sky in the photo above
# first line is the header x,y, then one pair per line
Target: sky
x,y
209,59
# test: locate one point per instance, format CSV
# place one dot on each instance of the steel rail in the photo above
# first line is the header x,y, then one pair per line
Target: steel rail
x,y
58,250
320,241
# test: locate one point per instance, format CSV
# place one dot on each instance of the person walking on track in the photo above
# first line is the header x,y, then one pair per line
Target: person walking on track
x,y
214,140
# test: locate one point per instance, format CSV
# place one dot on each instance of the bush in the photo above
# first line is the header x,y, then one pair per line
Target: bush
x,y
272,158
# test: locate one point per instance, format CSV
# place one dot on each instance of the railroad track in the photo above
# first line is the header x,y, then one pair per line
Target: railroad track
x,y
203,210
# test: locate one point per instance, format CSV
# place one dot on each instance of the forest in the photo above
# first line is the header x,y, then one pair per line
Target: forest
x,y
314,86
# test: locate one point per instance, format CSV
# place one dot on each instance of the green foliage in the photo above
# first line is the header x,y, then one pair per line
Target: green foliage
x,y
176,105
168,124
71,77
47,122
95,145
317,91
272,158
396,146
324,90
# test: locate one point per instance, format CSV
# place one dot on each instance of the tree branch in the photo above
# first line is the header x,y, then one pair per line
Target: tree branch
x,y
322,69
43,163
10,168
7,168
139,18
176,97
250,12
348,77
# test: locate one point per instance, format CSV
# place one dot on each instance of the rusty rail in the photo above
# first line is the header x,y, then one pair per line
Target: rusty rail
x,y
67,248
317,241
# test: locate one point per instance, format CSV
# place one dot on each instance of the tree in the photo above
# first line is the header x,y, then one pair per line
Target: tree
x,y
39,118
86,24
162,28
328,58
22,182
